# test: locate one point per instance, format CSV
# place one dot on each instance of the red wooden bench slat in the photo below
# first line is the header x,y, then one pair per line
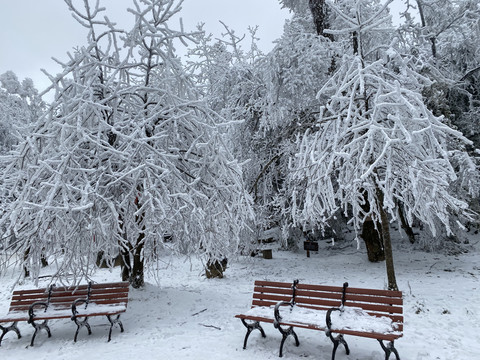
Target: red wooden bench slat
x,y
375,292
371,335
270,290
324,288
27,306
31,291
315,303
112,298
352,297
65,295
263,303
109,287
273,284
255,318
319,294
271,297
375,299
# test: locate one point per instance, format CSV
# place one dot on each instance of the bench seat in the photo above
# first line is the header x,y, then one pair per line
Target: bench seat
x,y
54,312
350,319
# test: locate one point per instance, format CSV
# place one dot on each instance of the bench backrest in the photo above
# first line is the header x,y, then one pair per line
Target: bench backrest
x,y
375,302
63,297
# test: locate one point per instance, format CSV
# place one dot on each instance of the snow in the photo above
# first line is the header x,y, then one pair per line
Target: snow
x,y
67,312
186,316
355,319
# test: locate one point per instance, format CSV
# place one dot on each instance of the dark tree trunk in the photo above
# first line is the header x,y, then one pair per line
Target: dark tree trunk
x,y
387,243
355,43
105,262
320,18
137,278
371,234
26,255
405,226
373,241
215,268
44,261
132,262
125,264
125,249
433,40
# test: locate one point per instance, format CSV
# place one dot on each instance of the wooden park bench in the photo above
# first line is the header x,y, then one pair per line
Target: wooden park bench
x,y
337,311
76,303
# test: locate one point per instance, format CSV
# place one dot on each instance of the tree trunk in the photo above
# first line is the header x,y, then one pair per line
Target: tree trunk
x,y
387,244
125,264
26,255
355,42
371,234
432,39
215,268
405,226
133,272
44,260
137,278
373,241
320,18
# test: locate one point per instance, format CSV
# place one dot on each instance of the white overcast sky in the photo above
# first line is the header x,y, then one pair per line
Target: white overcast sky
x,y
34,31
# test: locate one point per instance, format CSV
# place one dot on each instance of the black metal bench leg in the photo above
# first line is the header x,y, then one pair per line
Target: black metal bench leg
x,y
6,329
389,349
113,322
337,341
250,327
39,327
81,324
285,335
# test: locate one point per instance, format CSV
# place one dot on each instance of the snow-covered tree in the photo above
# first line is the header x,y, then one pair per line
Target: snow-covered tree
x,y
437,25
274,96
445,43
298,6
443,35
20,105
315,10
377,145
129,159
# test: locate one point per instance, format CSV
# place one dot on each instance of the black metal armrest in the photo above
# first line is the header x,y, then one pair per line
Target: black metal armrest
x,y
31,313
329,319
276,312
75,304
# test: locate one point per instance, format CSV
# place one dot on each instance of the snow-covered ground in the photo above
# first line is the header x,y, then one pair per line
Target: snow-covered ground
x,y
186,316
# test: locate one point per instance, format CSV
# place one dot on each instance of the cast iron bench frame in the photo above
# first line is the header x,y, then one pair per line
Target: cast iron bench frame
x,y
272,296
77,303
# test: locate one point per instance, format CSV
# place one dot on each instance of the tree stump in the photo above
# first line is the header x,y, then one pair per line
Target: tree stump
x,y
215,269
